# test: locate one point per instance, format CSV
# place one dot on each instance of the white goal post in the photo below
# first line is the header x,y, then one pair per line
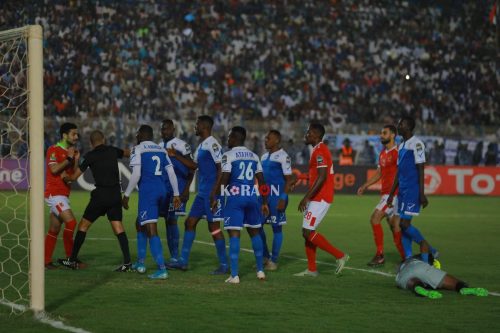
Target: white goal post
x,y
28,38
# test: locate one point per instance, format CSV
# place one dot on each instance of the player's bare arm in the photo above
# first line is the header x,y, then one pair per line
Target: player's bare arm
x,y
262,182
126,152
290,180
184,159
222,182
375,178
423,199
216,187
185,194
57,168
393,190
320,181
68,179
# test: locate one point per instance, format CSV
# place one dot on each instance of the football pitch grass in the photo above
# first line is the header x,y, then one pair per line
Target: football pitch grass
x,y
466,231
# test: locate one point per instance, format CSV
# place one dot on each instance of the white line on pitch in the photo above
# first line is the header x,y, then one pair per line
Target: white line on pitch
x,y
44,318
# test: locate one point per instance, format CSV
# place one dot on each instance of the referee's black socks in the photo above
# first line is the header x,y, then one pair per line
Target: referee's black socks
x,y
123,240
77,244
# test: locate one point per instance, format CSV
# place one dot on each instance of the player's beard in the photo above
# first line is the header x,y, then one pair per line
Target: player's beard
x,y
384,142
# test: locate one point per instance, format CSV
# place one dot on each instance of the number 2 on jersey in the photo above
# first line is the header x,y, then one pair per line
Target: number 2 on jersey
x,y
158,164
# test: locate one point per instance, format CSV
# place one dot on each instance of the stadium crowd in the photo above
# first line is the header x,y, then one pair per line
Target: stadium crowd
x,y
113,64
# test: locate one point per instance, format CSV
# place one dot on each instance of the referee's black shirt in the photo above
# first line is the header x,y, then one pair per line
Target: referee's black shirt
x,y
103,162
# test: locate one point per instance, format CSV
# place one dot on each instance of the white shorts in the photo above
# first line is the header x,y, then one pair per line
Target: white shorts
x,y
382,206
58,204
314,214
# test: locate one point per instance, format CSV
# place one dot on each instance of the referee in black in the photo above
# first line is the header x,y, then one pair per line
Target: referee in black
x,y
105,199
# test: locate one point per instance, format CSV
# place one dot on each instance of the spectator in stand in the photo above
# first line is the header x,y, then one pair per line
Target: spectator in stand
x,y
477,156
436,154
346,153
463,156
367,155
491,155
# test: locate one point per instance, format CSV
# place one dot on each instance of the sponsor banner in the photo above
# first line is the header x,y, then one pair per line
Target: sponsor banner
x,y
13,174
439,180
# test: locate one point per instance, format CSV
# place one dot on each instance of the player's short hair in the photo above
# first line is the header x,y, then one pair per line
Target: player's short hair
x,y
146,132
206,120
96,136
168,121
66,128
392,128
276,133
241,133
409,121
318,128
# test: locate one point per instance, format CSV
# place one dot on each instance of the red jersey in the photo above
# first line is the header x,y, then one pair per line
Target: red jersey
x,y
388,164
54,185
321,158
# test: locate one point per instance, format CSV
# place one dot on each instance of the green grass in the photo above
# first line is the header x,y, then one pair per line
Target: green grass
x,y
466,230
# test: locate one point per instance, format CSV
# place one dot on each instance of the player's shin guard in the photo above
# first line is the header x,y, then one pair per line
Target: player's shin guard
x,y
123,240
311,256
157,251
277,242
173,240
234,252
50,244
317,239
142,243
69,228
257,251
79,239
187,243
378,236
262,234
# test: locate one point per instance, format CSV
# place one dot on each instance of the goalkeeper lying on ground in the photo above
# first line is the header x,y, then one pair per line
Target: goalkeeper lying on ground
x,y
423,279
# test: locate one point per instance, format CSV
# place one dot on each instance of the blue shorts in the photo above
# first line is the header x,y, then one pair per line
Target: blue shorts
x,y
275,217
408,203
201,209
168,211
150,203
242,212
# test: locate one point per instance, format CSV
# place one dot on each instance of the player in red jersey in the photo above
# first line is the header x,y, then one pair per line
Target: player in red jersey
x,y
386,172
317,200
61,157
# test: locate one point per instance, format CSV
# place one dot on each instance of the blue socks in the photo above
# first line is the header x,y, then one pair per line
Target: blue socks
x,y
220,245
277,241
414,234
157,251
142,243
258,250
186,246
234,252
262,234
173,240
406,242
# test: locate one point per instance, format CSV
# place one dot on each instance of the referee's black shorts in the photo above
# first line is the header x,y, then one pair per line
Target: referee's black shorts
x,y
104,200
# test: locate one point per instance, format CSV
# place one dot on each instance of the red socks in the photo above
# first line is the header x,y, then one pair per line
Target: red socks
x,y
50,244
396,236
378,236
321,242
69,228
311,256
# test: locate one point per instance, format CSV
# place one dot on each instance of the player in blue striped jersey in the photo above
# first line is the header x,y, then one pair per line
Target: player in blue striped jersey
x,y
174,147
277,168
240,168
207,160
150,167
411,196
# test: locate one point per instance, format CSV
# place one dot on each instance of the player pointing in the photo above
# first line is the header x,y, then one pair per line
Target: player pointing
x,y
386,172
317,200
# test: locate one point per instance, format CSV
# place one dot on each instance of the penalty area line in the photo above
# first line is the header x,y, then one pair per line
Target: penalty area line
x,y
44,318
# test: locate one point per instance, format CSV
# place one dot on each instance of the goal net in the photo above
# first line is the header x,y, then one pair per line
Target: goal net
x,y
21,168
